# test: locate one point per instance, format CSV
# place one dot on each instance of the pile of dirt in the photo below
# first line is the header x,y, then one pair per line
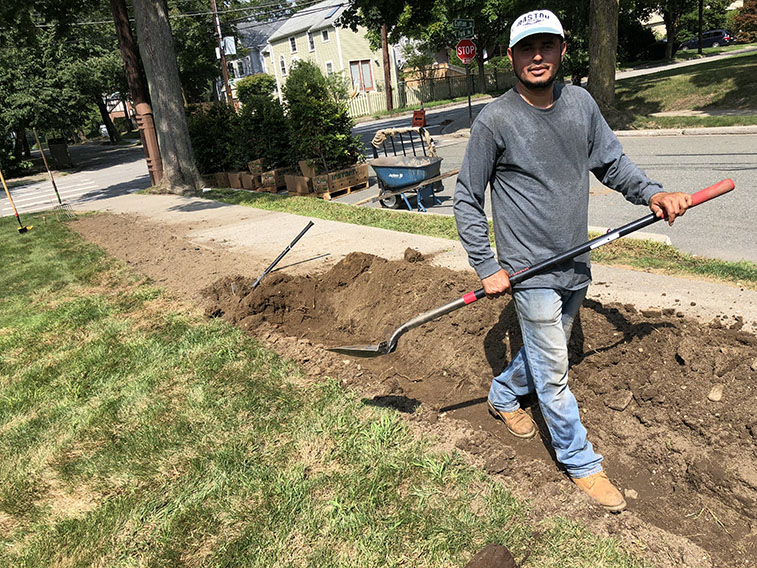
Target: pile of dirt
x,y
668,402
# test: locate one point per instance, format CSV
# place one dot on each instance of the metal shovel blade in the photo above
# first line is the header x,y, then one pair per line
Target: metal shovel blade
x,y
363,350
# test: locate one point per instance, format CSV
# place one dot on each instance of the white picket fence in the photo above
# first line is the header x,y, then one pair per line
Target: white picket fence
x,y
410,94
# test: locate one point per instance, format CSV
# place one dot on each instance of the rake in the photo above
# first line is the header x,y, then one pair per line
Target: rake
x,y
60,210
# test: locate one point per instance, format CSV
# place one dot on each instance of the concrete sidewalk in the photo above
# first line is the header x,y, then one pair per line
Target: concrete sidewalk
x,y
262,235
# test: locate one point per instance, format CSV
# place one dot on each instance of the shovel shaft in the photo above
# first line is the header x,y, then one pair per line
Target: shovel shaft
x,y
697,198
278,258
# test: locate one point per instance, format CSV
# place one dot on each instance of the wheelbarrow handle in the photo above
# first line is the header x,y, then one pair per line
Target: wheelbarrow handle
x,y
696,199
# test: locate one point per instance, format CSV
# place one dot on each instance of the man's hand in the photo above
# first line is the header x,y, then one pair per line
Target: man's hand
x,y
496,284
669,205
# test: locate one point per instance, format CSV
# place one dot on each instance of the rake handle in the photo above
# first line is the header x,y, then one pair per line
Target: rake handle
x,y
697,198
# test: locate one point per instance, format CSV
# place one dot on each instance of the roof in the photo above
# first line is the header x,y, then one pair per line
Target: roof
x,y
256,34
316,17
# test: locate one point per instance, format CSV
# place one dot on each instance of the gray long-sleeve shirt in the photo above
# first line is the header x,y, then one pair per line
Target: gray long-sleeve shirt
x,y
537,162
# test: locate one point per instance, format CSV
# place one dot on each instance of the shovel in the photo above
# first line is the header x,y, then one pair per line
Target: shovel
x,y
389,346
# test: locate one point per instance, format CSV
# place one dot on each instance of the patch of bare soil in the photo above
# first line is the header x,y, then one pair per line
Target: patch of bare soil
x,y
668,401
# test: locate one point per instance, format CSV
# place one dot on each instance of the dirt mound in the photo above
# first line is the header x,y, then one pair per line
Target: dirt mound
x,y
669,402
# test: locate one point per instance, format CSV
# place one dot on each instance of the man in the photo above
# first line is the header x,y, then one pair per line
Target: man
x,y
535,145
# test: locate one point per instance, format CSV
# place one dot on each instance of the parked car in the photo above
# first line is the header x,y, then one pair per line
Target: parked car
x,y
711,38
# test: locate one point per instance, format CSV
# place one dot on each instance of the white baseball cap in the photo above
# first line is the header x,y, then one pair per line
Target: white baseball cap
x,y
536,22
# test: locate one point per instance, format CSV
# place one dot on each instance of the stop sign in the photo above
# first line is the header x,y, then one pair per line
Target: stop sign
x,y
466,51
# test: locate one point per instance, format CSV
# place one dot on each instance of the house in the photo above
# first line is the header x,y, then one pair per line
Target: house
x,y
254,36
314,34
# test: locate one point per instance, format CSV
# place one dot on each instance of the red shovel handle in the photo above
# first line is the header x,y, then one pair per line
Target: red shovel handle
x,y
713,191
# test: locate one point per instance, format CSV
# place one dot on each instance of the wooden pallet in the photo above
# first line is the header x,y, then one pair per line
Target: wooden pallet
x,y
329,195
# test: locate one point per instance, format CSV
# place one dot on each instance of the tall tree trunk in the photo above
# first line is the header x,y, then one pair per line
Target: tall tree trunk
x,y
387,67
156,47
25,145
603,49
481,71
113,134
138,90
671,25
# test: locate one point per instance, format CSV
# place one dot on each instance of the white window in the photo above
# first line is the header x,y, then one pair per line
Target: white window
x,y
329,68
311,42
283,65
324,35
362,75
293,44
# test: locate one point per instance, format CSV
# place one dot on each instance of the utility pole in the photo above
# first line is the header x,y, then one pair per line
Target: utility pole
x,y
224,69
139,92
387,67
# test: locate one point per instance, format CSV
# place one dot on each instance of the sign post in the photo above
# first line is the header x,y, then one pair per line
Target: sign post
x,y
466,51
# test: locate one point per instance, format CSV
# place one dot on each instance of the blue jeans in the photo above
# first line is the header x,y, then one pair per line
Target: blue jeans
x,y
541,366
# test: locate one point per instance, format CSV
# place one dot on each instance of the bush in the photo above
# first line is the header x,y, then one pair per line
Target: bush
x,y
745,22
213,129
320,124
254,86
264,132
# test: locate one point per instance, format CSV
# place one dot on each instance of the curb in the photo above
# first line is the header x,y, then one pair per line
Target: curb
x,y
639,236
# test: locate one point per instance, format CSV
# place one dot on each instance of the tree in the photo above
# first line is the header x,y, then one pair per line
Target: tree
x,y
746,21
671,12
320,125
156,48
603,47
381,18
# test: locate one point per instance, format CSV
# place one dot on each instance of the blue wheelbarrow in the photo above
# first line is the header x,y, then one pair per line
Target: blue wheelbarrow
x,y
399,176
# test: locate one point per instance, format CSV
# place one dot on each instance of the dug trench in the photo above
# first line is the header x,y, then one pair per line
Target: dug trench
x,y
668,401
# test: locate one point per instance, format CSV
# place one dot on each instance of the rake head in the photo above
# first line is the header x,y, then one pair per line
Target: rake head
x,y
64,210
23,230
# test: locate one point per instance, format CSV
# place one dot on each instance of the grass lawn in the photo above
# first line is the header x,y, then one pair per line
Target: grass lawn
x,y
643,255
136,432
726,84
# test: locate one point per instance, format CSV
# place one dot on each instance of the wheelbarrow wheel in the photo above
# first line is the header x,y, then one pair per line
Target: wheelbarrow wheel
x,y
392,202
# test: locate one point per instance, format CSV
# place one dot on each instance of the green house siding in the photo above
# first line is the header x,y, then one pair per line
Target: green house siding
x,y
343,46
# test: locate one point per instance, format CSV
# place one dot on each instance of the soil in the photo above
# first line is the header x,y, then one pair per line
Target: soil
x,y
668,401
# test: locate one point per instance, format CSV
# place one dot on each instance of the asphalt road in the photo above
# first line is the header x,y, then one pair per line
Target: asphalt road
x,y
100,171
724,228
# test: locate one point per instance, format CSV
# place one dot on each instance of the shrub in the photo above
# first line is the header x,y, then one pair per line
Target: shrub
x,y
264,132
745,21
255,85
213,129
320,124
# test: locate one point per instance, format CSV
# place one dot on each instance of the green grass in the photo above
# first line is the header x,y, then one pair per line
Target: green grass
x,y
643,255
718,85
135,432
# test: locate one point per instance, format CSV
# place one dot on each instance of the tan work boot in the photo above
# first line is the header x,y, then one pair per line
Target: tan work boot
x,y
518,423
602,491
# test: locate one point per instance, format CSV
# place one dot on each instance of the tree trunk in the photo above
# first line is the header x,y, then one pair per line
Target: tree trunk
x,y
156,47
481,72
129,125
671,23
138,90
603,48
113,134
387,67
